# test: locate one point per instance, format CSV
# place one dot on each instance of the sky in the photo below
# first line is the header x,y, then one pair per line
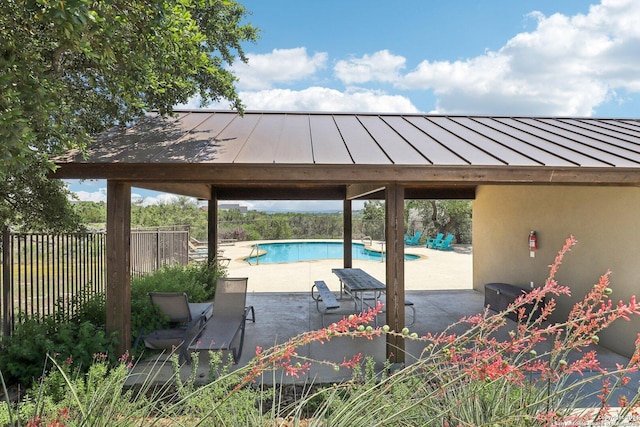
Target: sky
x,y
477,57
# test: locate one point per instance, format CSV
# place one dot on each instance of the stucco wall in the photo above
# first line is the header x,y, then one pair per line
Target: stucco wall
x,y
604,220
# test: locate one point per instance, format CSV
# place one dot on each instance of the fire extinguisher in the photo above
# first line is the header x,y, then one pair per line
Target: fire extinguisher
x,y
533,241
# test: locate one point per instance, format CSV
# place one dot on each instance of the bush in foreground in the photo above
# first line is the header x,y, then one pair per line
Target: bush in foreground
x,y
534,377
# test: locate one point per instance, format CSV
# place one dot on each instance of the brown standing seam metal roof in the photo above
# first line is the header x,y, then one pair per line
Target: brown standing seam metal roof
x,y
359,148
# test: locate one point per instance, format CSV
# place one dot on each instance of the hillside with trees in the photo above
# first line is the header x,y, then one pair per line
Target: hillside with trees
x,y
428,216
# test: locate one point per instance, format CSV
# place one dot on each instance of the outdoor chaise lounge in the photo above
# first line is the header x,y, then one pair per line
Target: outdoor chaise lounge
x,y
225,329
186,322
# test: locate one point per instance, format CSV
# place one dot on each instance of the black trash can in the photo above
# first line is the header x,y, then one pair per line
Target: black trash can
x,y
498,296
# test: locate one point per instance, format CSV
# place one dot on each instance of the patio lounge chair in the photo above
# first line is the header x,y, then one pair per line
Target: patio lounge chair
x,y
186,320
225,329
445,245
432,242
413,241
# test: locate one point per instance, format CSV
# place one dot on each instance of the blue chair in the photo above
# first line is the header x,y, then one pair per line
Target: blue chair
x,y
433,241
445,245
413,241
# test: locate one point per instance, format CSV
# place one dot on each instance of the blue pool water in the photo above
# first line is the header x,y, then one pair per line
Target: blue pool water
x,y
309,251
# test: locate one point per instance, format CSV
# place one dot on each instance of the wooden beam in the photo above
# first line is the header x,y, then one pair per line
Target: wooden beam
x,y
357,191
236,174
289,191
441,193
327,192
197,190
118,293
347,216
394,228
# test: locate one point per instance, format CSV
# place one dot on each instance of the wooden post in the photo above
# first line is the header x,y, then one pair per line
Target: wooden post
x,y
347,215
7,318
118,292
212,226
394,226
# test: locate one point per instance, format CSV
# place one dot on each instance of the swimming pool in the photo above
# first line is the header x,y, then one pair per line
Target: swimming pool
x,y
309,251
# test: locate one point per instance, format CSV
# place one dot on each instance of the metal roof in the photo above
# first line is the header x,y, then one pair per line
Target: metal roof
x,y
222,147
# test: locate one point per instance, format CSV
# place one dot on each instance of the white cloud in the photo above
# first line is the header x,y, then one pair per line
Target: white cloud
x,y
325,99
381,66
100,195
92,196
279,66
566,66
159,199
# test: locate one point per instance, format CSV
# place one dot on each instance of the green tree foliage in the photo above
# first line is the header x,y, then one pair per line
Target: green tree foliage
x,y
441,216
273,227
373,217
29,201
182,211
70,69
429,216
91,213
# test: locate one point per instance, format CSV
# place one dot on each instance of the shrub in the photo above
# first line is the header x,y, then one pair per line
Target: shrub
x,y
25,351
197,280
85,306
67,396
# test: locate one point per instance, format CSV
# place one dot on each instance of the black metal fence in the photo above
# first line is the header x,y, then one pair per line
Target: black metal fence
x,y
41,273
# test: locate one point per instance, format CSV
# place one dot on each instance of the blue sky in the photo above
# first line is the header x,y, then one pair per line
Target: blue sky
x,y
499,57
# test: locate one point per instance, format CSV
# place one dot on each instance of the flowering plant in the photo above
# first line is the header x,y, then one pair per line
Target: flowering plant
x,y
484,370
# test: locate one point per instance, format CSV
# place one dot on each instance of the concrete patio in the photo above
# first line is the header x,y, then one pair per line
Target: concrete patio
x,y
284,309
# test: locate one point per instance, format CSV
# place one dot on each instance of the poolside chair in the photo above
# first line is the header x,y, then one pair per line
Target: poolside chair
x,y
413,241
186,322
432,242
445,245
225,329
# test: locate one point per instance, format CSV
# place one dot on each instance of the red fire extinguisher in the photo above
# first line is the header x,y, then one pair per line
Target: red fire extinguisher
x,y
533,241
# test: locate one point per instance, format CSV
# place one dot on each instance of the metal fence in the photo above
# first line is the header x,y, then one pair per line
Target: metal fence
x,y
41,273
151,249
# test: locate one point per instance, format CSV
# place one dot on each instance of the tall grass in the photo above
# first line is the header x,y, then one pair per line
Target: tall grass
x,y
465,376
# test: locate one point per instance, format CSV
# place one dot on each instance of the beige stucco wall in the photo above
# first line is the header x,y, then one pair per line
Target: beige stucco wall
x,y
604,220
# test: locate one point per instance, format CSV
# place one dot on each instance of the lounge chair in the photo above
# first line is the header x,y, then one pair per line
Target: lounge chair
x,y
225,329
445,245
186,320
413,241
432,242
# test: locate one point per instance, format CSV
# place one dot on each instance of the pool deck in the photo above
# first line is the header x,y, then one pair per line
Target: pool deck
x,y
434,270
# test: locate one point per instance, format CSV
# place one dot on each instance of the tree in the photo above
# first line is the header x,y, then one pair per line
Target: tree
x,y
71,69
31,201
442,216
373,216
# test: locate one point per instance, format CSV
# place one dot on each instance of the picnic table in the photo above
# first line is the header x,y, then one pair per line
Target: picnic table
x,y
360,286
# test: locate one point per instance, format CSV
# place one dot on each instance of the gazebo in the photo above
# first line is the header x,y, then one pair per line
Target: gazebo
x,y
222,155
